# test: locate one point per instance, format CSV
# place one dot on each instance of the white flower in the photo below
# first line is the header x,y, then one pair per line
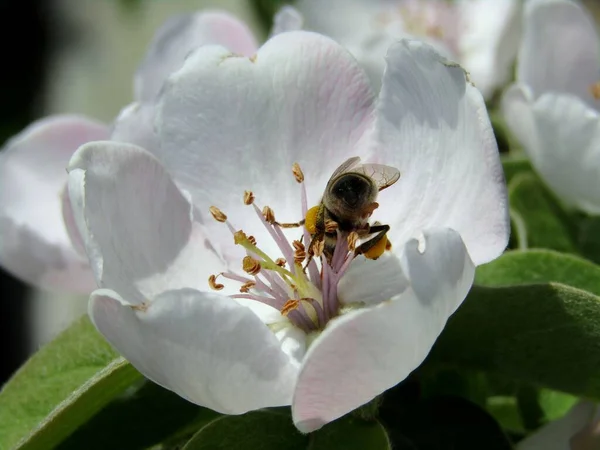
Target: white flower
x,y
577,430
552,109
482,35
38,242
326,341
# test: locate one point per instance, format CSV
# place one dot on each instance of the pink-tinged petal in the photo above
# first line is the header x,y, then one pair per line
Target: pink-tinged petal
x,y
517,109
138,228
433,126
34,243
568,135
203,346
135,125
182,34
286,19
489,41
228,124
557,434
367,351
560,50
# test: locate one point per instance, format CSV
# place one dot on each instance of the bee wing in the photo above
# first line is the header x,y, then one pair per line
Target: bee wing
x,y
346,166
383,176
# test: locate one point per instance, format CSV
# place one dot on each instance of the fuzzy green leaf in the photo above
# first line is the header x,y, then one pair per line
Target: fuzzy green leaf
x,y
546,335
514,165
60,388
350,433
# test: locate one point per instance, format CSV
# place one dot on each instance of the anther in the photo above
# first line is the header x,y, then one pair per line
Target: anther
x,y
217,214
299,252
248,197
247,286
298,174
595,90
280,262
318,247
268,214
330,226
239,237
352,240
250,265
212,282
252,240
289,306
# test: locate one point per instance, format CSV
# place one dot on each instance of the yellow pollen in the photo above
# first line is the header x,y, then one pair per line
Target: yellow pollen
x,y
248,197
217,214
595,90
250,265
298,174
280,262
212,282
268,214
247,286
310,222
239,237
377,250
289,306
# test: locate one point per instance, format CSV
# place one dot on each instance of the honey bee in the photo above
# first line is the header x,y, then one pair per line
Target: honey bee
x,y
348,202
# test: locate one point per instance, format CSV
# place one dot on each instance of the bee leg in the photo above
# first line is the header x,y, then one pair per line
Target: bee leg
x,y
381,231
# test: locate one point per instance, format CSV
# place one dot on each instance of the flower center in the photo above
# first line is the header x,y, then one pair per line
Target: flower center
x,y
302,284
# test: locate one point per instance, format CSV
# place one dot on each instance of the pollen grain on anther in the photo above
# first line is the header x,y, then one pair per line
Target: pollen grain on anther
x,y
298,174
217,214
212,282
268,214
250,265
248,197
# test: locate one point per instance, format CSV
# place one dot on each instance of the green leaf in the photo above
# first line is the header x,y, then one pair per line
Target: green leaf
x,y
545,335
546,225
61,387
555,404
514,165
350,433
589,238
539,266
506,411
268,429
147,416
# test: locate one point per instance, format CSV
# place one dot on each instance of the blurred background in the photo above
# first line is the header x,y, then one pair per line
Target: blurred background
x,y
78,56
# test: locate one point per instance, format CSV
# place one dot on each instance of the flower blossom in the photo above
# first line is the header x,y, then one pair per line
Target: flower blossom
x,y
579,429
553,108
38,240
482,35
205,290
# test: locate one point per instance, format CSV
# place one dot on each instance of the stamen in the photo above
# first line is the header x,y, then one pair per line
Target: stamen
x,y
247,286
289,306
252,240
352,240
318,247
299,252
248,197
217,214
212,282
250,265
280,262
297,171
268,214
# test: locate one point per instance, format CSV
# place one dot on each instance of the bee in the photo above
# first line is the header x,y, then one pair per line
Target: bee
x,y
348,202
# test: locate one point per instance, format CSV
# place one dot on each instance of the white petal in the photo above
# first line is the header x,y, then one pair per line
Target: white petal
x,y
203,346
557,434
138,228
182,34
569,150
372,281
517,109
433,126
34,244
364,352
286,19
560,50
229,124
489,40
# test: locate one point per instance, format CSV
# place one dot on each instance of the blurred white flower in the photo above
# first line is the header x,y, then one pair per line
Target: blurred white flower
x,y
552,109
482,35
333,338
577,430
38,243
